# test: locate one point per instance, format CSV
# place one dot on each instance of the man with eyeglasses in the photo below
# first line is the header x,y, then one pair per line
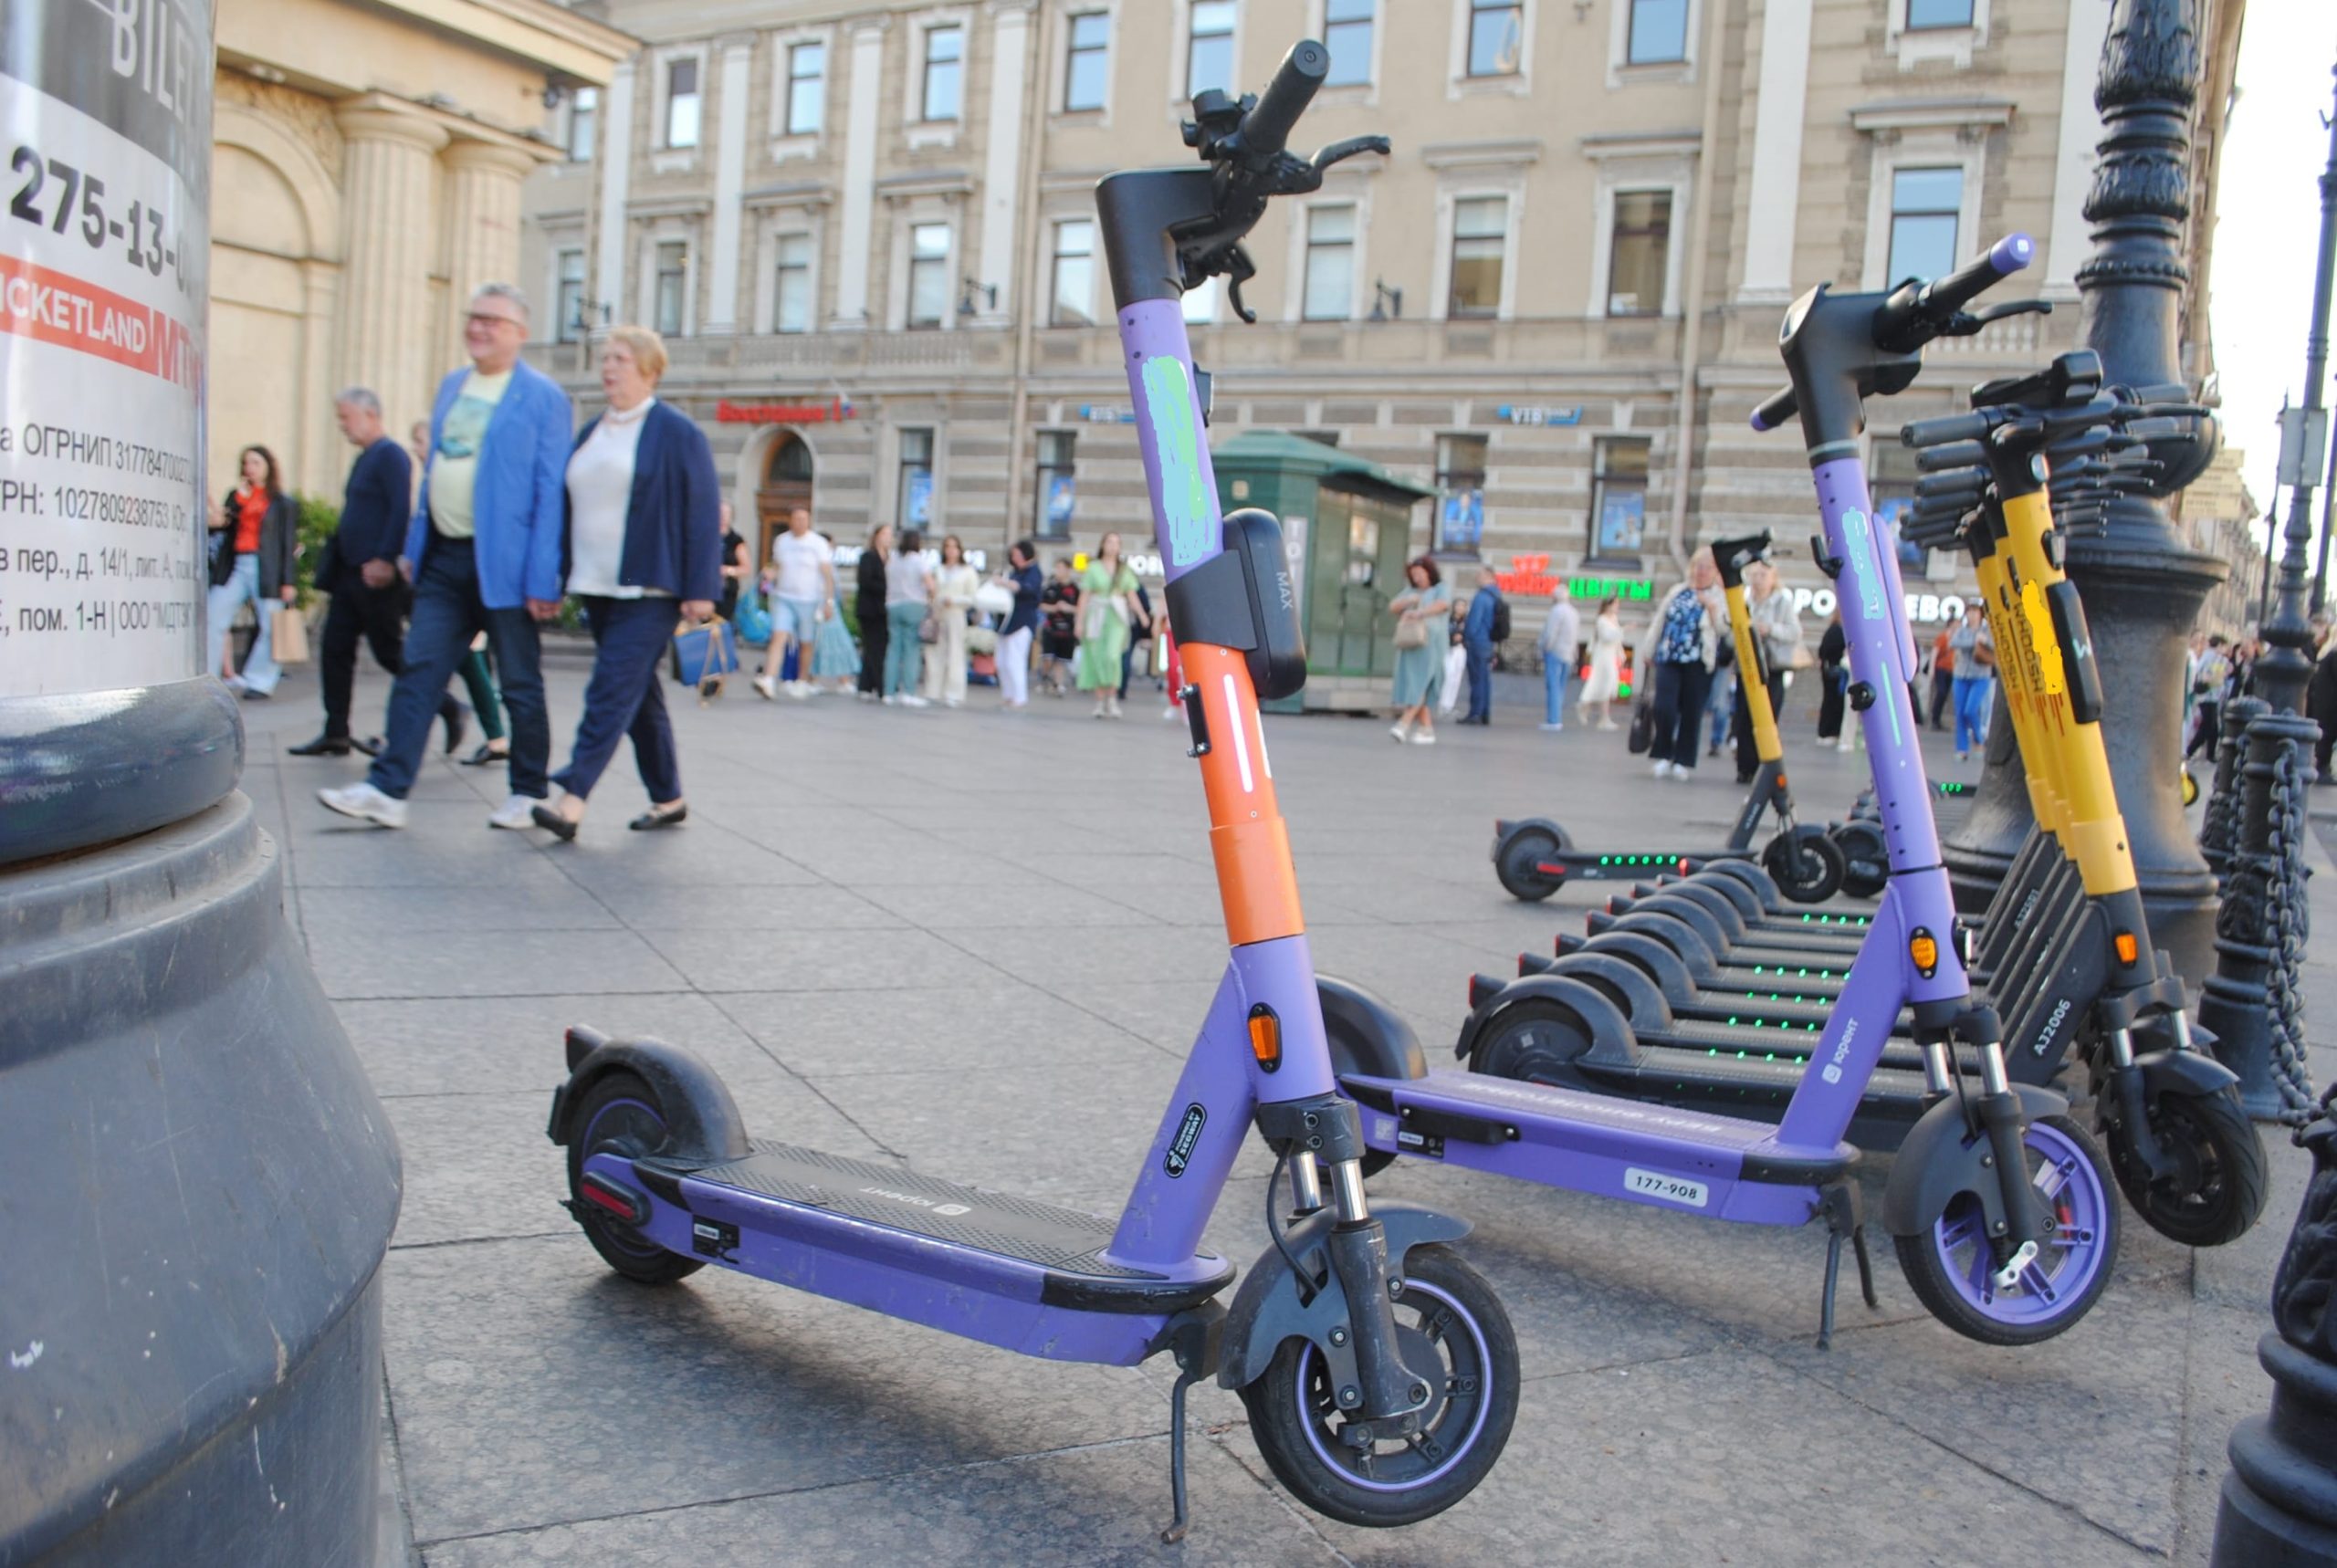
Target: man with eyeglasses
x,y
484,551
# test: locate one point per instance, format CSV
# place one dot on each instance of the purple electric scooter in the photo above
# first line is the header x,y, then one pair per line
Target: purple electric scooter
x,y
1999,1203
1379,1370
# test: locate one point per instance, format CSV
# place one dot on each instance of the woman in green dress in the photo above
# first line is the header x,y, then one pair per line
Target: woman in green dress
x,y
1106,605
1427,604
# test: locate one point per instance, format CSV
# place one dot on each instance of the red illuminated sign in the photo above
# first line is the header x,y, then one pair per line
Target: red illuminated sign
x,y
1528,575
728,412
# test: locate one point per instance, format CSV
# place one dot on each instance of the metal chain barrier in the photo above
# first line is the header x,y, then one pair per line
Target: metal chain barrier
x,y
2220,829
2280,872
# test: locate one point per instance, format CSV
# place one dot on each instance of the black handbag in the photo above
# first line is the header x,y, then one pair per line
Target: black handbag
x,y
1642,735
223,557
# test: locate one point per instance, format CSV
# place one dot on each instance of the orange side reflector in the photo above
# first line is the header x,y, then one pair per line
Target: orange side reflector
x,y
2128,949
1265,1037
1924,951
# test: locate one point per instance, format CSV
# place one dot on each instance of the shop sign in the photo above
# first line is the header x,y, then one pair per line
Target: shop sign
x,y
1105,413
1537,416
1601,589
1528,577
834,409
1923,609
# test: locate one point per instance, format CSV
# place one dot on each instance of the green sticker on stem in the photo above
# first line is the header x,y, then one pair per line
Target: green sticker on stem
x,y
1177,438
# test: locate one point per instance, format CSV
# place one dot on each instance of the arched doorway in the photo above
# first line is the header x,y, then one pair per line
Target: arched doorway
x,y
787,484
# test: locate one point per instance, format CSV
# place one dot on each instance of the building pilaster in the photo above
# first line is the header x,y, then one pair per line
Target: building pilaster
x,y
387,175
858,219
729,187
1001,202
1773,192
615,153
482,181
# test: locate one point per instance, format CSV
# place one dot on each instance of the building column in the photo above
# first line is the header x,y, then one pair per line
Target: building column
x,y
1774,192
729,187
1002,166
856,239
483,181
388,244
615,153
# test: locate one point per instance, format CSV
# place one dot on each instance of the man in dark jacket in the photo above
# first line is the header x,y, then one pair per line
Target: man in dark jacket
x,y
1477,641
360,570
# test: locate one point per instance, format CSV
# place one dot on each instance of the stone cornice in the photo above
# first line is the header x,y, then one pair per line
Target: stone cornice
x,y
1931,114
1643,144
1515,150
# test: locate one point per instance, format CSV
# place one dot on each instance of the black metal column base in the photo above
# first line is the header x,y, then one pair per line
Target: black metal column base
x,y
2279,1503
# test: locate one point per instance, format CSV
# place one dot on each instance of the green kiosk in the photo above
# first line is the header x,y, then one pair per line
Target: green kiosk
x,y
1347,523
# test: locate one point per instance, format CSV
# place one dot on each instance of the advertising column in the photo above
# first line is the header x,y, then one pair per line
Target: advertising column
x,y
106,727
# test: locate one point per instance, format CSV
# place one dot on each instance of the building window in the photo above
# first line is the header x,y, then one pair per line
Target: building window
x,y
1461,492
1073,295
671,285
915,510
1346,33
807,89
682,102
1496,37
791,309
1086,69
1480,235
1617,499
945,68
568,308
1938,13
1056,492
928,274
583,109
1199,303
1209,53
1330,264
1659,33
1924,204
1640,253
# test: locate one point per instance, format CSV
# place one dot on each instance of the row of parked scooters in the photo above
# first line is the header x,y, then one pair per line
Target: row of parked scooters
x,y
1719,1052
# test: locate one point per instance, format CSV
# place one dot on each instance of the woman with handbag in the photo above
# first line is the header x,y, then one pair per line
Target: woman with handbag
x,y
643,549
1606,677
1684,647
254,554
908,621
954,586
1776,630
1423,625
1106,610
1975,679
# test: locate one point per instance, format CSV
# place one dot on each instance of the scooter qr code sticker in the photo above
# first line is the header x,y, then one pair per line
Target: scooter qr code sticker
x,y
1672,1190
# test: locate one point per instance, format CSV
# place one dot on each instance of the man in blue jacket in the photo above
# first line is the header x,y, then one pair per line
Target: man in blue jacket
x,y
484,548
1477,639
360,570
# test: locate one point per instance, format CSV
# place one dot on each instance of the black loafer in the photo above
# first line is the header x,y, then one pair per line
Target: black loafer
x,y
650,821
370,746
323,745
456,719
552,823
485,756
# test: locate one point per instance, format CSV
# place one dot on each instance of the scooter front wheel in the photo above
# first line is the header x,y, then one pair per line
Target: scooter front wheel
x,y
2221,1179
1952,1267
621,1112
1518,864
1806,864
1866,862
1452,1332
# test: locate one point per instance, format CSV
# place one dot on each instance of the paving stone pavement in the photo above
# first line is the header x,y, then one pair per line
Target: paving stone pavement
x,y
979,944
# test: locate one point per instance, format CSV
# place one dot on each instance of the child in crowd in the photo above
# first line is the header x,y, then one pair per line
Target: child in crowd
x,y
1059,633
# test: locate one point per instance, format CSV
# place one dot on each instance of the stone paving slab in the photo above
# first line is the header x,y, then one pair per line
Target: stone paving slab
x,y
980,944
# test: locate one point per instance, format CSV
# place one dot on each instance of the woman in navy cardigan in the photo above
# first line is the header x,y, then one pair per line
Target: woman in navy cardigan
x,y
643,549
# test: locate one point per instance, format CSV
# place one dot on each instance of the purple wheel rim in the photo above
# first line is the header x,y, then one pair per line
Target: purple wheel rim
x,y
613,1230
2067,1262
1330,1455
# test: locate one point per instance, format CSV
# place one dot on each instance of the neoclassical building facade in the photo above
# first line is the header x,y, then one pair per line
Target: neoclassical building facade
x,y
366,174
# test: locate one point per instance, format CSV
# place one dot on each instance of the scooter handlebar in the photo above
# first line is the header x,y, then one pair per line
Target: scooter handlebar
x,y
1922,315
1948,427
1775,410
1266,128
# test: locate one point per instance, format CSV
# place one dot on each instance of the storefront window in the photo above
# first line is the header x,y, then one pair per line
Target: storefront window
x,y
915,509
1057,493
1460,495
1617,500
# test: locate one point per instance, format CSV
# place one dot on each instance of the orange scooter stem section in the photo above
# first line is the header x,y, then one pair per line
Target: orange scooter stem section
x,y
1256,881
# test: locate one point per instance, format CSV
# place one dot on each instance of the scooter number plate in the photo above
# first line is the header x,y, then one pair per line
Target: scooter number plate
x,y
1672,1190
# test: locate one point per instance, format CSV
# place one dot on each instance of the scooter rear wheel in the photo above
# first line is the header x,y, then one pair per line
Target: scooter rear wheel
x,y
1806,864
620,1111
1949,1265
1452,1332
2219,1190
1518,863
1866,862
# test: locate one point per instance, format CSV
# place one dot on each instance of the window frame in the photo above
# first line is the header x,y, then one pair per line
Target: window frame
x,y
667,98
1935,148
1067,463
1320,25
590,113
792,83
568,325
1953,42
1907,23
1601,447
1450,239
1471,11
1614,238
1073,49
903,466
658,246
778,264
1302,277
1185,39
1630,14
911,261
927,33
1057,256
1642,164
1891,266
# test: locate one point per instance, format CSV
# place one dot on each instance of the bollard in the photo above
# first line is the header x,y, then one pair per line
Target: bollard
x,y
2220,826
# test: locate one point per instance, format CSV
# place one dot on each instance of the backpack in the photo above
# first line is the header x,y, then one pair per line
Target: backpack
x,y
1501,617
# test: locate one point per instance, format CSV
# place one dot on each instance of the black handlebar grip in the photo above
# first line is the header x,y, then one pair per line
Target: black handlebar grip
x,y
1775,410
1950,427
1268,125
1960,454
1941,298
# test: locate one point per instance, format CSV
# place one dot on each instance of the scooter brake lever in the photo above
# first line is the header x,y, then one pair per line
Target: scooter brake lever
x,y
1980,319
1239,270
1339,152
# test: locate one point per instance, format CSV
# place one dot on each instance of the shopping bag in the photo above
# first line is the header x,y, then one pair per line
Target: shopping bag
x,y
751,620
1456,677
1642,735
705,653
288,635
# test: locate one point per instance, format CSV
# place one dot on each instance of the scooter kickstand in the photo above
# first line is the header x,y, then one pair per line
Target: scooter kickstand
x,y
1833,1273
1840,1206
1176,1525
1866,1268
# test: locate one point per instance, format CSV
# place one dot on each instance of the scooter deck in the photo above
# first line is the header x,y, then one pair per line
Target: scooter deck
x,y
1030,1276
1722,1167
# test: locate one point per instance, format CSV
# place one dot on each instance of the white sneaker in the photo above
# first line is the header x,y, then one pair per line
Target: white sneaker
x,y
517,811
1400,733
910,699
1663,770
953,702
364,802
1426,737
799,690
1552,728
765,688
1848,744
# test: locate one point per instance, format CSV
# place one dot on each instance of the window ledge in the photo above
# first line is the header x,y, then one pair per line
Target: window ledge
x,y
1514,85
941,133
1956,45
1653,73
674,161
783,148
1098,116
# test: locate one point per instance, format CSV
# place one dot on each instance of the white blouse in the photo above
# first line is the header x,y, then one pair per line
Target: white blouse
x,y
599,494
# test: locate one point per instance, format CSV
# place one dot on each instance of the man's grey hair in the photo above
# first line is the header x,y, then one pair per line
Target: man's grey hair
x,y
359,398
505,292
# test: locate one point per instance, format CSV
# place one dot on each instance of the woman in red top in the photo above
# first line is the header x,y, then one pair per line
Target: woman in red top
x,y
253,551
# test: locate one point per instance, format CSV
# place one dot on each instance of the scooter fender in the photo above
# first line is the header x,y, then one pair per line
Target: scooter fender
x,y
700,1115
1267,1309
1600,1018
1935,1163
1507,829
1366,1035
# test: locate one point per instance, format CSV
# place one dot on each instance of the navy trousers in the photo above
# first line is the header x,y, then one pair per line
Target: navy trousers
x,y
1479,665
446,615
626,696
